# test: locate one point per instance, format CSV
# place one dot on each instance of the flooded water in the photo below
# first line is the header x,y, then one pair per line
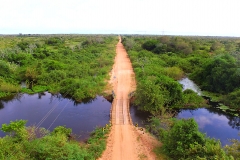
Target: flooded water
x,y
139,117
189,84
212,121
83,118
215,123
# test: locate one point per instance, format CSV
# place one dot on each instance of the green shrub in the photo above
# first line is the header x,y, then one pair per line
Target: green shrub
x,y
157,92
192,99
185,141
8,87
233,149
174,72
4,69
38,144
16,129
219,74
54,41
149,45
233,99
23,45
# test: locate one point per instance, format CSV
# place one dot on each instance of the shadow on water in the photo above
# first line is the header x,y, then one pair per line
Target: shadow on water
x,y
40,95
139,117
1,105
83,101
82,117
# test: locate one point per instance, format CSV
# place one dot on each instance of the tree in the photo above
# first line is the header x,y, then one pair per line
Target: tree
x,y
149,45
230,47
155,93
164,39
218,74
23,45
4,69
215,46
184,141
160,48
150,97
191,99
233,99
129,44
16,129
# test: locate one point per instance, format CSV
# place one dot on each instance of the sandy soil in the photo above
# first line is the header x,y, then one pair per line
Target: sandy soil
x,y
125,142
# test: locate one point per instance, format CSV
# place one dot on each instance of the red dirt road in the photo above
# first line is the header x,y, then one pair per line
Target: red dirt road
x,y
125,142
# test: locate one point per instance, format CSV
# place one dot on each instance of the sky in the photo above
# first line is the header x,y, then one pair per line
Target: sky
x,y
164,17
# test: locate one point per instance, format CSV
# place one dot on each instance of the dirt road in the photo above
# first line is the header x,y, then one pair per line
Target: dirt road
x,y
125,141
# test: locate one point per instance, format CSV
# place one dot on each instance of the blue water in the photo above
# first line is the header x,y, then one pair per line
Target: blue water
x,y
83,118
214,123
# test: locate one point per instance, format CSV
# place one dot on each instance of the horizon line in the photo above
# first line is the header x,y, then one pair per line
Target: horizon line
x,y
144,34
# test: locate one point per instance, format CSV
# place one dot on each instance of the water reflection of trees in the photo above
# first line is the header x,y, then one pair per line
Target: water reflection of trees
x,y
1,105
234,121
41,94
84,101
61,97
12,98
178,111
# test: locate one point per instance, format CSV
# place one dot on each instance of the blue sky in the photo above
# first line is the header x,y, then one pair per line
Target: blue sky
x,y
176,17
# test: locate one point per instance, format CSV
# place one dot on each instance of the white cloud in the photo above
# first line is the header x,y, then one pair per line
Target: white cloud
x,y
215,17
217,120
203,121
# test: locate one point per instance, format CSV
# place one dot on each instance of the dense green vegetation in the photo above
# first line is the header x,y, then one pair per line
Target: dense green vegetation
x,y
234,148
39,144
219,74
73,65
184,141
159,61
76,66
157,72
